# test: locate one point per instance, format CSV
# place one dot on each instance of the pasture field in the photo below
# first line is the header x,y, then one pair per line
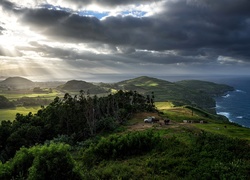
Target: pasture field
x,y
10,114
15,96
164,105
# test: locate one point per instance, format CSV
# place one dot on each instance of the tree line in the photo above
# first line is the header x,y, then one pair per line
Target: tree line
x,y
79,117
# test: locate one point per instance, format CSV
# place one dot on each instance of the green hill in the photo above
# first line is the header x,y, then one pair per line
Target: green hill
x,y
210,88
194,93
17,82
76,86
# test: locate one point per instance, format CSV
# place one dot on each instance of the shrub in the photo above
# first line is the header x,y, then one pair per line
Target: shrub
x,y
41,162
120,146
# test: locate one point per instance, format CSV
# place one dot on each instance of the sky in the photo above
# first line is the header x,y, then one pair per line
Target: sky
x,y
90,39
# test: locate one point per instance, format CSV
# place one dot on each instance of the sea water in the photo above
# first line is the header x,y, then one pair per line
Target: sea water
x,y
235,105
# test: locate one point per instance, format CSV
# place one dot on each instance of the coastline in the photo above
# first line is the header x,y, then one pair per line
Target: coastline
x,y
233,107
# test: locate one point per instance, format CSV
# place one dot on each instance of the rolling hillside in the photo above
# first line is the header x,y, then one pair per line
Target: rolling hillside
x,y
195,93
17,82
210,88
76,86
187,92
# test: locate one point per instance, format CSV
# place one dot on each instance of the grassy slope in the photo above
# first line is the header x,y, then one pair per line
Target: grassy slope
x,y
206,87
179,158
214,125
76,86
168,91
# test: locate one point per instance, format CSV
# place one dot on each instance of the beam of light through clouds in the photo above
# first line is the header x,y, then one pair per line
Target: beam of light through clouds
x,y
86,38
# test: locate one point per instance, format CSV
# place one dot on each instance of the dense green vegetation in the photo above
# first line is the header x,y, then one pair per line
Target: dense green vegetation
x,y
210,88
76,86
51,161
150,154
90,137
5,103
78,117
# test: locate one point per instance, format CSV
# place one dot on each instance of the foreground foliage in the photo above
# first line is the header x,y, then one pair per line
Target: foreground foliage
x,y
41,162
149,154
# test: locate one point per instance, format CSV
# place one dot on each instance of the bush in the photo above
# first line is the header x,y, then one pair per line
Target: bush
x,y
120,146
41,162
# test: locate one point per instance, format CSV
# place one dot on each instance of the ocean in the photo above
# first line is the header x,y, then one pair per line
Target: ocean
x,y
235,105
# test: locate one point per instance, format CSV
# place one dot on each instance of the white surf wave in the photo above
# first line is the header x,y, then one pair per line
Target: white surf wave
x,y
226,96
227,114
239,117
240,91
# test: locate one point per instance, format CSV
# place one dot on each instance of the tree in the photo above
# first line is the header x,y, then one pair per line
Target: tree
x,y
5,103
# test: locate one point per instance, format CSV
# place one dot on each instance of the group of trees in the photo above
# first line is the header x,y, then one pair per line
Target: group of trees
x,y
78,117
30,101
5,103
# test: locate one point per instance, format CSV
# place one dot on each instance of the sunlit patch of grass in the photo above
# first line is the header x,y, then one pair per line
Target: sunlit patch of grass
x,y
113,91
10,114
148,83
16,96
180,113
164,105
153,84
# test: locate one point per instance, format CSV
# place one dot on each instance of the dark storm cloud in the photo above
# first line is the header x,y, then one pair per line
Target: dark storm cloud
x,y
193,28
130,31
64,26
7,5
133,58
